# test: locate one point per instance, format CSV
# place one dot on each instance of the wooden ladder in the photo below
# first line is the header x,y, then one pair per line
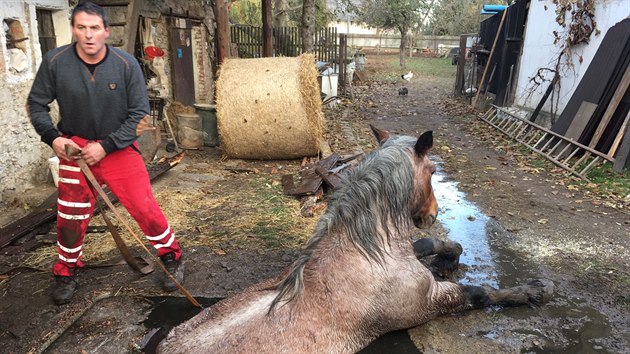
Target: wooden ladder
x,y
575,158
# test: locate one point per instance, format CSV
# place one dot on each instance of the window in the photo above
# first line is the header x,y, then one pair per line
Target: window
x,y
46,30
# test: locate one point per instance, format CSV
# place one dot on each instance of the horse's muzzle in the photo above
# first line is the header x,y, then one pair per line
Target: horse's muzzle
x,y
425,222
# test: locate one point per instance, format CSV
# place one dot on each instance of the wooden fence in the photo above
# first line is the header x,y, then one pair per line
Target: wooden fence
x,y
287,42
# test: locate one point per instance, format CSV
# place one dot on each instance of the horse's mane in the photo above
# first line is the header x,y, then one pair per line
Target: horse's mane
x,y
373,196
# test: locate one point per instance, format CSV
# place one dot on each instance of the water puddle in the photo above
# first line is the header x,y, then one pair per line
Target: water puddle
x,y
579,326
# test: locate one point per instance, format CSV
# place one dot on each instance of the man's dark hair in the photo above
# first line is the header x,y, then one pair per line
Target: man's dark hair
x,y
92,9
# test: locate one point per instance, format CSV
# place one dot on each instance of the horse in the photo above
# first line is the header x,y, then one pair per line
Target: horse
x,y
358,276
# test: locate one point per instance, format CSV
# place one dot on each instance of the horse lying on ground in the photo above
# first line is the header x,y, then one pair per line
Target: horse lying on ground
x,y
358,276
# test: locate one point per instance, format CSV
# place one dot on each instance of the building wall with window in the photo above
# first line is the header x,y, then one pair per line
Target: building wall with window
x,y
31,27
23,158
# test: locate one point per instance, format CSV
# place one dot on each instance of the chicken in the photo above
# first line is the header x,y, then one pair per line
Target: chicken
x,y
403,91
407,76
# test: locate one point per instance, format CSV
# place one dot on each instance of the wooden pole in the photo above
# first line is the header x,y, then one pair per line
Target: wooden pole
x,y
223,33
612,107
494,44
133,17
267,29
620,134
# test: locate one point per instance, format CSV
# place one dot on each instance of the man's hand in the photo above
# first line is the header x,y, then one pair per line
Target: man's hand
x,y
59,147
92,153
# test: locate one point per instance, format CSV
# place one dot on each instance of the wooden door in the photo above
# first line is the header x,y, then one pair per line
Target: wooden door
x,y
182,59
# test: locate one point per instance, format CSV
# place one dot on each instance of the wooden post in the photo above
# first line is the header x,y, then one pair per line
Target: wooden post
x,y
612,107
223,33
620,134
133,16
267,29
485,70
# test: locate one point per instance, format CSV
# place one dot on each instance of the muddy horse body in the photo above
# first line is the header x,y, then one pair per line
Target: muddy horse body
x,y
358,276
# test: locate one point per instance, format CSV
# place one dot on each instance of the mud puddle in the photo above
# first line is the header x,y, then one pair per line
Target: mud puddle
x,y
168,312
575,327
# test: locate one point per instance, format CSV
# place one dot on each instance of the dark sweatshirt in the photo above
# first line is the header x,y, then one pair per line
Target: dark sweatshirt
x,y
104,105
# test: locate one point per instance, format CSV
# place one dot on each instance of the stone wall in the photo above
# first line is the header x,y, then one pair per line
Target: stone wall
x,y
23,157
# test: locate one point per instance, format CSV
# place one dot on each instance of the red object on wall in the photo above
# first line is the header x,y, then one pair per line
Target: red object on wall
x,y
153,52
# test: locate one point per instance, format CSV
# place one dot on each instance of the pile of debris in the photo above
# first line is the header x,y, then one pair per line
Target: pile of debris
x,y
316,180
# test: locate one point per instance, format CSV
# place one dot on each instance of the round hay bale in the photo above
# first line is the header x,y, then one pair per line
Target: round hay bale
x,y
269,108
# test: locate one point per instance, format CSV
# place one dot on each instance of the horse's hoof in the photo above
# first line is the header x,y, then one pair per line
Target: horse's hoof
x,y
541,292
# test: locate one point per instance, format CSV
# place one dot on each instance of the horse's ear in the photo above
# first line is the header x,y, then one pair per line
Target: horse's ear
x,y
424,143
380,135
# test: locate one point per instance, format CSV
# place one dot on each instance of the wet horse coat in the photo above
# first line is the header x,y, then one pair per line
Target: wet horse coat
x,y
358,276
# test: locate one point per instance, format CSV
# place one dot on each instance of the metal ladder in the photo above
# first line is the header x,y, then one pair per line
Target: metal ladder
x,y
575,158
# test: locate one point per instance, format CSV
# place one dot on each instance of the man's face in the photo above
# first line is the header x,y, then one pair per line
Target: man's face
x,y
90,33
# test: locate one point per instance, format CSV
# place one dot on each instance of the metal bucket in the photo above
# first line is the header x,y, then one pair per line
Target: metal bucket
x,y
189,131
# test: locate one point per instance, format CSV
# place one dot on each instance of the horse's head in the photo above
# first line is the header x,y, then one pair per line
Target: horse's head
x,y
425,207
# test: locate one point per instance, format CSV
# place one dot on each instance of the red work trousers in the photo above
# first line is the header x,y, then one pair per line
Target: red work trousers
x,y
125,174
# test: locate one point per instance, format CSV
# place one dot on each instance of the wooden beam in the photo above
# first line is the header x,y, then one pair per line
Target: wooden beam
x,y
223,30
133,17
267,28
620,134
612,107
622,160
485,70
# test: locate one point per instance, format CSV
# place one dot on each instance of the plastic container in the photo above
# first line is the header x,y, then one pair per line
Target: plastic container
x,y
53,163
208,114
329,85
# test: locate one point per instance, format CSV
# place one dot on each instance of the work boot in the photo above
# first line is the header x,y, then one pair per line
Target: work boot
x,y
65,286
175,268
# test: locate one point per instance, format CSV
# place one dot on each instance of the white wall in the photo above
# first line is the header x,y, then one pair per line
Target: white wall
x,y
539,50
352,27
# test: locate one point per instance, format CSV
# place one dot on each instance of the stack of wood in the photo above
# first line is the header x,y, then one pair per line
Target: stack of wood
x,y
598,112
316,180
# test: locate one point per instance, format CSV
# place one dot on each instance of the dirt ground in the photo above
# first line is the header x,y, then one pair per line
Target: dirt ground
x,y
237,227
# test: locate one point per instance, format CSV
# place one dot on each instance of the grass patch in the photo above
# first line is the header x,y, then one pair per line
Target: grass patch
x,y
421,67
438,67
282,225
610,181
624,301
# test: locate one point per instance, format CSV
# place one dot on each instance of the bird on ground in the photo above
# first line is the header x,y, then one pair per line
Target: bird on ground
x,y
407,76
403,91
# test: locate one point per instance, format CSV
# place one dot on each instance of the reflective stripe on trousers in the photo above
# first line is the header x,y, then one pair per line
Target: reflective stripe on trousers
x,y
125,174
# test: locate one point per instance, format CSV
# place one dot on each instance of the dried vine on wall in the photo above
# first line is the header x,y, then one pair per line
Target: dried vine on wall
x,y
577,19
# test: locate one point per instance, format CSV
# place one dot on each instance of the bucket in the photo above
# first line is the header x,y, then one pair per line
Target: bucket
x,y
53,163
189,130
329,85
208,114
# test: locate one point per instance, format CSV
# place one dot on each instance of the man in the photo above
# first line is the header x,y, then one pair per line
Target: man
x,y
102,97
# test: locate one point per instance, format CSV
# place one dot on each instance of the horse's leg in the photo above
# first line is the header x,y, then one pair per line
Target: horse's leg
x,y
446,253
451,297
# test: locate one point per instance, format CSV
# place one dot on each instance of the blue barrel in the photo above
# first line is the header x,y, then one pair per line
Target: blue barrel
x,y
494,8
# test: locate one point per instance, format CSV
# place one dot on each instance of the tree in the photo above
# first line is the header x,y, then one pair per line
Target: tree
x,y
455,17
402,15
308,26
246,12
